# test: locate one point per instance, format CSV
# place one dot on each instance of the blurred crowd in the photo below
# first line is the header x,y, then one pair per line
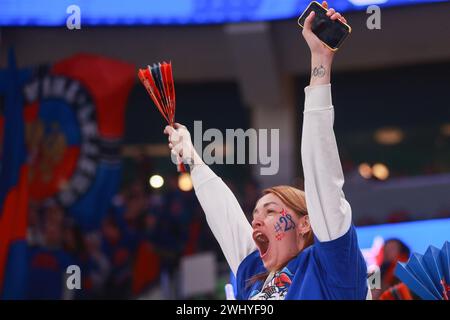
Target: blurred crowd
x,y
140,241
144,234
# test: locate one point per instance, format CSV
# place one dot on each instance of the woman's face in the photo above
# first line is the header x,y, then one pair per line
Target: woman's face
x,y
277,231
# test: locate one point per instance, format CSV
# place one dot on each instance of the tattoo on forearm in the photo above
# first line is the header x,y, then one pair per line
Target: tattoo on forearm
x,y
319,71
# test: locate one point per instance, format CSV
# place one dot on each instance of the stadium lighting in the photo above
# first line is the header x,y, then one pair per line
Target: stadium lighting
x,y
380,171
365,170
185,182
367,2
156,181
389,136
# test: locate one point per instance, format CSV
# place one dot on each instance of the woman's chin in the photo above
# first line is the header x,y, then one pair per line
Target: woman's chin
x,y
268,263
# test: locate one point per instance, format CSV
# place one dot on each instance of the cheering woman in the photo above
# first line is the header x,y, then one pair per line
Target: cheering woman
x,y
300,245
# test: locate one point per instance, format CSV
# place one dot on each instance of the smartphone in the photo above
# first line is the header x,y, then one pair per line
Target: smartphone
x,y
331,32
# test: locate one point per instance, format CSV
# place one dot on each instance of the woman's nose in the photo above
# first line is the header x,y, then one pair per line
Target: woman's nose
x,y
257,223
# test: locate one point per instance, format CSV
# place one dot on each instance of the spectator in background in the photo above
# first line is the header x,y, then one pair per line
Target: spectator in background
x,y
176,215
136,207
398,292
146,268
95,266
119,252
394,250
84,251
192,244
49,262
73,239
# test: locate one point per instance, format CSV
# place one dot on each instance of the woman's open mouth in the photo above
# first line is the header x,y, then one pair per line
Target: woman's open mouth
x,y
262,242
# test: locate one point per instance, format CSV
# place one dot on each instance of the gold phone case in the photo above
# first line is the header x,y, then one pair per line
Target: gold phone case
x,y
348,26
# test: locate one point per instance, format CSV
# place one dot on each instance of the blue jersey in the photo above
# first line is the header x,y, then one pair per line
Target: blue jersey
x,y
326,270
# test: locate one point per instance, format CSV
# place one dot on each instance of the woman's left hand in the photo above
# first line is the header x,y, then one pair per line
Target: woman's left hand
x,y
317,48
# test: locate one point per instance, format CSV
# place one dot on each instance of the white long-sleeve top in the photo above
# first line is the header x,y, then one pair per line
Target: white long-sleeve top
x,y
329,212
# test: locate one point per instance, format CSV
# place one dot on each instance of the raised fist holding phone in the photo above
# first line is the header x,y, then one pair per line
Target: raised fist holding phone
x,y
321,55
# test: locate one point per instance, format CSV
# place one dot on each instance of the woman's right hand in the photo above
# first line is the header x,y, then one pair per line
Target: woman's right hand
x,y
180,144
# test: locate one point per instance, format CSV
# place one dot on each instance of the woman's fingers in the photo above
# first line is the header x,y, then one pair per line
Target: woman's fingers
x,y
336,16
168,130
325,4
171,135
179,125
308,21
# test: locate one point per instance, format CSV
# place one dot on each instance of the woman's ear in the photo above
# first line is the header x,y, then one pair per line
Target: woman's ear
x,y
303,225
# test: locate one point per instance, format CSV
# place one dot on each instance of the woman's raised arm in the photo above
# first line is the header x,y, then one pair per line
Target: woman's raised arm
x,y
223,212
329,211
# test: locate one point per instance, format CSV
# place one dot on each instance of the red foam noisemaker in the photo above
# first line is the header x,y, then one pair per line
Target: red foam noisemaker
x,y
158,80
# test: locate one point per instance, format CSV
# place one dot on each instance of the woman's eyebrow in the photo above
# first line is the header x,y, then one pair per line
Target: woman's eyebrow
x,y
264,205
269,203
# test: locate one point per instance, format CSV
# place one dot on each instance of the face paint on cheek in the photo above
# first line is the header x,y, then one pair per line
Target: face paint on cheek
x,y
284,224
279,230
277,227
279,236
290,222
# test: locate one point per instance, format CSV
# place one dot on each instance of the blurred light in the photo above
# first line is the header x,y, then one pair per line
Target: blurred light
x,y
367,2
156,181
389,136
380,171
445,129
185,182
136,12
365,170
